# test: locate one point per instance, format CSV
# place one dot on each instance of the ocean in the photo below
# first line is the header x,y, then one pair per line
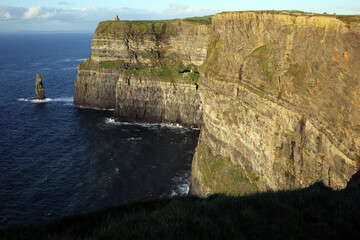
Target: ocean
x,y
57,159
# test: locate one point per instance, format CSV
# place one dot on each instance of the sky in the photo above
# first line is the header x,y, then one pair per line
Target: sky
x,y
23,16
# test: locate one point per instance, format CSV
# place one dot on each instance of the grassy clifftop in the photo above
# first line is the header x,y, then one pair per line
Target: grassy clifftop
x,y
313,213
150,26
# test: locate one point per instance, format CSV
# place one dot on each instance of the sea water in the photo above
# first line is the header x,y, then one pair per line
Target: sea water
x,y
57,159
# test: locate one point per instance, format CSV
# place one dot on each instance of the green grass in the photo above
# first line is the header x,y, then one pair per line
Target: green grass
x,y
297,12
86,65
313,213
266,61
210,65
259,51
348,19
112,64
221,175
206,20
177,73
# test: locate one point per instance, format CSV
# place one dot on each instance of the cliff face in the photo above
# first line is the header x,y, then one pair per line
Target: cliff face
x,y
281,100
95,86
150,42
145,100
277,95
119,75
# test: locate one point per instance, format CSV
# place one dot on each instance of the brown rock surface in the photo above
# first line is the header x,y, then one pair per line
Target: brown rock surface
x,y
278,96
39,88
281,98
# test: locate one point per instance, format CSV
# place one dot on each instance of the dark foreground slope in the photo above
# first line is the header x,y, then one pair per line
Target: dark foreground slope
x,y
316,212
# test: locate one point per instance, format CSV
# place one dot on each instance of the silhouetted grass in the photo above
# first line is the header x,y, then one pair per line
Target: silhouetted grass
x,y
313,213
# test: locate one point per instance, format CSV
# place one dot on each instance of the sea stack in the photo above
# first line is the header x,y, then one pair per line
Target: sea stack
x,y
39,88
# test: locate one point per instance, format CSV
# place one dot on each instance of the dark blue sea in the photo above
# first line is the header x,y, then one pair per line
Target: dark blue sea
x,y
57,159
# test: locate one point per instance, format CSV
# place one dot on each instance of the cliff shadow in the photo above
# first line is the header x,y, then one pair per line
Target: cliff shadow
x,y
316,212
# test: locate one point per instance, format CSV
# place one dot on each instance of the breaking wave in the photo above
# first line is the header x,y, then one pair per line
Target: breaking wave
x,y
34,100
59,99
182,185
166,125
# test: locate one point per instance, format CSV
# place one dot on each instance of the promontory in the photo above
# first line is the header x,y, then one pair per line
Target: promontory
x,y
276,94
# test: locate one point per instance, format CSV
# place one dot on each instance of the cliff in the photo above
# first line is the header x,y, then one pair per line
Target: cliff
x,y
277,94
153,52
281,98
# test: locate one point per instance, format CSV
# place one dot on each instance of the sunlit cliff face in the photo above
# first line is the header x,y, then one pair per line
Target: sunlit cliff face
x,y
277,94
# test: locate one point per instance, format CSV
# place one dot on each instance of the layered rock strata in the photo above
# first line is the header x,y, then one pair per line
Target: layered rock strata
x,y
146,100
133,46
278,97
281,98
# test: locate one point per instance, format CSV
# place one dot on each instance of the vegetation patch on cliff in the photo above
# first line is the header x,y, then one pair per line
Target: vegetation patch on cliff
x,y
259,51
178,73
265,58
210,65
316,212
112,64
348,19
222,176
206,20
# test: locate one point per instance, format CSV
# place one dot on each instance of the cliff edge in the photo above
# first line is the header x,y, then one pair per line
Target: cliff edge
x,y
277,94
146,70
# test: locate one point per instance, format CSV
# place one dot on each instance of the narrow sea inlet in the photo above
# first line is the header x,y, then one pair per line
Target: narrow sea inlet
x,y
56,159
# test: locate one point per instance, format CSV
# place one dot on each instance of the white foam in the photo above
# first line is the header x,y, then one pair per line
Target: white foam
x,y
34,100
75,60
166,125
101,109
182,185
40,101
64,99
80,59
112,121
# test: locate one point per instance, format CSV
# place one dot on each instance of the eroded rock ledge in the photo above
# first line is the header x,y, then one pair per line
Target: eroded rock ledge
x,y
277,94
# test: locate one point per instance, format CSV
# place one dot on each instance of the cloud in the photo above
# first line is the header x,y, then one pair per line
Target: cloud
x,y
7,15
32,12
99,14
86,19
38,12
62,3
